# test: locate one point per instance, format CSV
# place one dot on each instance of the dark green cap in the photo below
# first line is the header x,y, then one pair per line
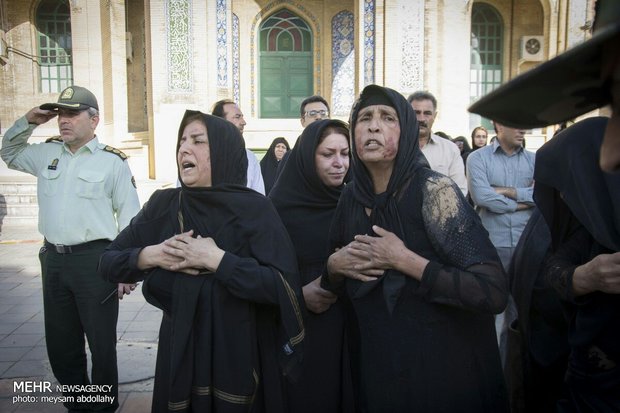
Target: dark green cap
x,y
73,97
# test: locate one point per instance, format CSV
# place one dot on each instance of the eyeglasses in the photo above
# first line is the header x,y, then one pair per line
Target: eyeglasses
x,y
314,113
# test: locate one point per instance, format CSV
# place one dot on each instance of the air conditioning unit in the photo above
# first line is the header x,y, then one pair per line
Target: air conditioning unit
x,y
129,46
532,49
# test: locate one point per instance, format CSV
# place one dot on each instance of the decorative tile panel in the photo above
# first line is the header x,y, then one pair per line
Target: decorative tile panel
x,y
235,68
222,62
179,45
343,63
411,40
369,42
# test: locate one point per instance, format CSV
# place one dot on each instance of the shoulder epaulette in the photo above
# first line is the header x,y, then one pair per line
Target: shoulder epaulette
x,y
115,151
54,139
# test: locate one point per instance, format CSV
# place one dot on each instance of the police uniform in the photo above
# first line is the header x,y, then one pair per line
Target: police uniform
x,y
85,199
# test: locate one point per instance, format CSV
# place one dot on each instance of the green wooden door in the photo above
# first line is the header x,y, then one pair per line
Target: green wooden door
x,y
285,81
285,69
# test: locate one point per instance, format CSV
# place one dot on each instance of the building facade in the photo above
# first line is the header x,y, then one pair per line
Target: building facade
x,y
149,60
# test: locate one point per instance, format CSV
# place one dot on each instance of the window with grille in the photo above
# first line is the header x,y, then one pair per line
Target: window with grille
x,y
53,22
486,59
285,32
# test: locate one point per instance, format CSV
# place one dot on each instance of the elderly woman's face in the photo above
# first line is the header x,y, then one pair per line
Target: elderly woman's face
x,y
194,157
377,134
279,151
331,159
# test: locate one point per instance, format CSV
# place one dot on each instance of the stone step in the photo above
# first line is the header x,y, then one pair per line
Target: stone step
x,y
26,210
12,188
18,200
10,221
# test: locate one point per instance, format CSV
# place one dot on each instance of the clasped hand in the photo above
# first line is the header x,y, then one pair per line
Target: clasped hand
x,y
183,253
317,299
367,257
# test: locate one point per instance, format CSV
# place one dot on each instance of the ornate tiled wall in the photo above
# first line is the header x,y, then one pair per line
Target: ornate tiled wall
x,y
343,63
235,68
179,45
369,41
222,34
411,39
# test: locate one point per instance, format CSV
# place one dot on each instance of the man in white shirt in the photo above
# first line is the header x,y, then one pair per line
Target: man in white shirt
x,y
229,110
443,155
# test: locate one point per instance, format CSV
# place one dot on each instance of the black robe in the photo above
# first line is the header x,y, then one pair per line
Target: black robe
x,y
269,164
429,345
306,206
230,337
538,340
581,205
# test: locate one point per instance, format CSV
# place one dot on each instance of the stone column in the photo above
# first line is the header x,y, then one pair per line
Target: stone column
x,y
404,45
99,61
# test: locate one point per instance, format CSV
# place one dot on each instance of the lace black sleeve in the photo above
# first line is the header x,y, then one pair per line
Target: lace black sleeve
x,y
470,274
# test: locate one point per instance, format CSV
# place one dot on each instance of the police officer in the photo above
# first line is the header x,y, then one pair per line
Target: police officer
x,y
86,196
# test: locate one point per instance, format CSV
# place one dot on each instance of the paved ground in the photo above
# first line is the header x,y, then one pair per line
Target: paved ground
x,y
23,354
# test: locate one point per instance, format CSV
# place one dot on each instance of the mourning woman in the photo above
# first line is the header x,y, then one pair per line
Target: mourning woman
x,y
417,264
581,206
269,163
232,327
306,196
463,146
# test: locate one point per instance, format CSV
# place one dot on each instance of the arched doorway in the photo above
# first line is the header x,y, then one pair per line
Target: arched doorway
x,y
285,67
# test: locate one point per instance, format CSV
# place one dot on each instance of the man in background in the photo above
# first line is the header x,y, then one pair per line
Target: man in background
x,y
229,110
313,108
442,154
501,185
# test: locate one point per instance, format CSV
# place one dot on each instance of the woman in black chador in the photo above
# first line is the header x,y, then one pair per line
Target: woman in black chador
x,y
581,205
269,163
423,278
306,196
224,274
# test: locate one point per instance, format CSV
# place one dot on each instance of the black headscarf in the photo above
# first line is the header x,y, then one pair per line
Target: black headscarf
x,y
568,165
408,161
305,204
269,163
200,313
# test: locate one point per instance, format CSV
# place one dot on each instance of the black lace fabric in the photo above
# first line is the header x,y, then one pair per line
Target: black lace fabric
x,y
469,273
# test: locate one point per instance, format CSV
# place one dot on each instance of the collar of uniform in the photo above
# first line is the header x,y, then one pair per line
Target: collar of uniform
x,y
91,146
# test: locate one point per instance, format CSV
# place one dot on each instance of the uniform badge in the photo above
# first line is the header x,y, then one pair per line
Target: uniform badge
x,y
133,182
67,94
53,165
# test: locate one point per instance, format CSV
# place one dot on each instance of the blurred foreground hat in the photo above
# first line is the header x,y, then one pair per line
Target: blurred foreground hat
x,y
73,97
563,88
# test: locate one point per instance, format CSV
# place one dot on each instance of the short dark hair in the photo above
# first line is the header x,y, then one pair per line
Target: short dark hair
x,y
218,107
312,99
423,95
